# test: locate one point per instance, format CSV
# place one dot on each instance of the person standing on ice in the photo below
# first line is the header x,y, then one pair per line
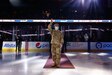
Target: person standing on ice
x,y
56,43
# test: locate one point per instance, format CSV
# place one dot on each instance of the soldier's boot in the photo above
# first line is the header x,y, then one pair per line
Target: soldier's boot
x,y
54,64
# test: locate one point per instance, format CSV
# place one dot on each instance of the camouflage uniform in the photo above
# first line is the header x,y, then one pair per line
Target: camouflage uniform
x,y
57,40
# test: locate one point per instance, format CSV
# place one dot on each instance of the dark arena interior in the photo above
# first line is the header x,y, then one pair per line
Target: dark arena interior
x,y
56,37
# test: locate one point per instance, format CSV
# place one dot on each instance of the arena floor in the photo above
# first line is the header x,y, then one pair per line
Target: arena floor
x,y
33,63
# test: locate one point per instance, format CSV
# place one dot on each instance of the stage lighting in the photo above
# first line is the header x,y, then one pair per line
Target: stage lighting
x,y
83,3
94,0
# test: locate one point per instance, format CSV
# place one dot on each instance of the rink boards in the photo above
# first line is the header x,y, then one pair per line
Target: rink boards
x,y
9,46
25,46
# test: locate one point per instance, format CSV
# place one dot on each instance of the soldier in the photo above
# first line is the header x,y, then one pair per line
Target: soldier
x,y
56,43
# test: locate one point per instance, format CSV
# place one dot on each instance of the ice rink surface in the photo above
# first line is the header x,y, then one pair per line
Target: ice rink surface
x,y
33,63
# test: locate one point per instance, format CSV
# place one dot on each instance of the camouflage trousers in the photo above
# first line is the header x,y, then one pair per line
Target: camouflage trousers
x,y
56,53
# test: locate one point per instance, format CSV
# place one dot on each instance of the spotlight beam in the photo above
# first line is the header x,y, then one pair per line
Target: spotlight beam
x,y
83,2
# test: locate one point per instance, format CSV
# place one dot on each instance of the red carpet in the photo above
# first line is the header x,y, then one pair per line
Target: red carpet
x,y
65,63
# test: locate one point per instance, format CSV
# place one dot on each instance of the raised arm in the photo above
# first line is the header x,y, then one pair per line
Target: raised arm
x,y
50,25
